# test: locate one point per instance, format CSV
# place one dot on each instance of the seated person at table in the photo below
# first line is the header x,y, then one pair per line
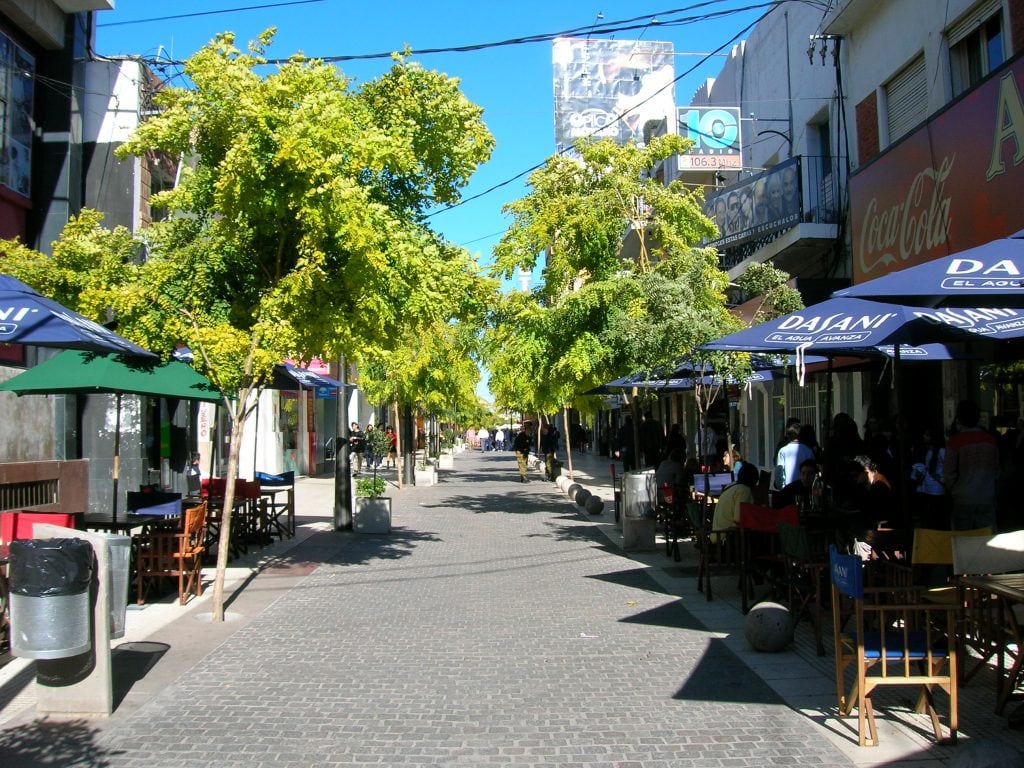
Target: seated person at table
x,y
727,510
670,470
873,497
799,491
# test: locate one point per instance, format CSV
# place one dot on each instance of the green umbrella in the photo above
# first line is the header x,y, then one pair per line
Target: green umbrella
x,y
75,372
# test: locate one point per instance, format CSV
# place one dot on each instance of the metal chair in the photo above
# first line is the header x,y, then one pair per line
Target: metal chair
x,y
897,639
759,545
805,574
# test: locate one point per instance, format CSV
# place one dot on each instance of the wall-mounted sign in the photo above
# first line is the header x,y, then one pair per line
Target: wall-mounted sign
x,y
951,185
715,132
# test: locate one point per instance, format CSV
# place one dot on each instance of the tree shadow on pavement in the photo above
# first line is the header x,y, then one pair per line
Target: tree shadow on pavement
x,y
52,744
362,548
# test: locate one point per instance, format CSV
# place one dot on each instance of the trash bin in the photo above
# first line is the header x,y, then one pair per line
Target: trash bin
x,y
51,616
638,516
119,553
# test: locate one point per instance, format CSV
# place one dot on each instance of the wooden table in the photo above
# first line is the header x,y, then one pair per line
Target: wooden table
x,y
126,523
1008,588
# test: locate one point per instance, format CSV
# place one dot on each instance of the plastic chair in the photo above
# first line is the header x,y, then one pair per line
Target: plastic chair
x,y
897,639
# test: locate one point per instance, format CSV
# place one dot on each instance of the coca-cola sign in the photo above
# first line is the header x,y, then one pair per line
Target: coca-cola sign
x,y
953,184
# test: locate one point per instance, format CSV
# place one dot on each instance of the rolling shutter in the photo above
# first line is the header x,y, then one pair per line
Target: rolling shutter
x,y
972,20
907,99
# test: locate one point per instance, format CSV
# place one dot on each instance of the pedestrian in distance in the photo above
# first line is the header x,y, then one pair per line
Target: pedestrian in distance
x,y
548,446
521,445
357,445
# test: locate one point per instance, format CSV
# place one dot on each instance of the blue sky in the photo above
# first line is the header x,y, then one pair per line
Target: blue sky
x,y
513,83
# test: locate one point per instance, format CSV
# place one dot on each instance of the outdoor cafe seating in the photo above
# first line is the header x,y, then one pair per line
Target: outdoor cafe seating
x,y
172,554
890,636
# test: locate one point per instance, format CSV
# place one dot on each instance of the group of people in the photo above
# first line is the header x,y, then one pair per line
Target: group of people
x,y
486,440
646,445
362,449
951,484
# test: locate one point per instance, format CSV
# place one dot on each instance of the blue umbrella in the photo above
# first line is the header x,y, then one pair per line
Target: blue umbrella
x,y
858,327
990,274
27,317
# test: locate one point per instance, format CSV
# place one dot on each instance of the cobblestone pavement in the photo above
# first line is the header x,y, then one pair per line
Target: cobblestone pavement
x,y
495,625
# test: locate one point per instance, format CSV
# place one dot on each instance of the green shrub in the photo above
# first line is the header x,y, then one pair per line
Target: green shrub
x,y
371,487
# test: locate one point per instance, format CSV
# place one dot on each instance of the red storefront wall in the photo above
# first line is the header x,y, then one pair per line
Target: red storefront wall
x,y
956,182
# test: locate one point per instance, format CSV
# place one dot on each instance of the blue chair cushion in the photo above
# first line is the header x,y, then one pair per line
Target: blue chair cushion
x,y
916,645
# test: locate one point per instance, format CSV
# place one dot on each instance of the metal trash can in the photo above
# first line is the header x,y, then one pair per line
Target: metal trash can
x,y
51,616
119,552
638,493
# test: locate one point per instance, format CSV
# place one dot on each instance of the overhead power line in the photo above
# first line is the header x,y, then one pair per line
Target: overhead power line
x,y
207,13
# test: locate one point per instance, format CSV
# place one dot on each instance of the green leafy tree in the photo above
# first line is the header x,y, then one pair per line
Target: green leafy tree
x,y
608,305
299,226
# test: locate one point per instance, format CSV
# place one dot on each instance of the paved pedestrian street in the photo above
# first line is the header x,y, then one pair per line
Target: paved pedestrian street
x,y
497,624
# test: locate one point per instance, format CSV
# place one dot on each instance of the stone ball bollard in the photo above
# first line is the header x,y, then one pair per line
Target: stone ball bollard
x,y
987,753
562,482
594,505
769,627
572,490
582,495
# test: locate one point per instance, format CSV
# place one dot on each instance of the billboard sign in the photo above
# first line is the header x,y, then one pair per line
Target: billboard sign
x,y
715,132
618,89
757,206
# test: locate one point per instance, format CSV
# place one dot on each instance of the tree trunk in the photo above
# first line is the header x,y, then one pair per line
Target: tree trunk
x,y
399,456
237,412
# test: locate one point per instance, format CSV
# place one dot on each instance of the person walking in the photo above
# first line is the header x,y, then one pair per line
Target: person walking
x,y
521,445
392,446
971,471
627,445
791,456
652,440
499,439
484,437
548,446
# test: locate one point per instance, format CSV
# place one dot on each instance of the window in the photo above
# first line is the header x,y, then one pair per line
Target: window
x,y
975,45
17,70
906,99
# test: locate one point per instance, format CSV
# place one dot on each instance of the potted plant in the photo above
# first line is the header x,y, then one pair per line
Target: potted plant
x,y
372,513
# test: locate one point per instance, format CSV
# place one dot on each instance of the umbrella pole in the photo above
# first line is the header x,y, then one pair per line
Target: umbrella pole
x,y
827,431
117,451
902,462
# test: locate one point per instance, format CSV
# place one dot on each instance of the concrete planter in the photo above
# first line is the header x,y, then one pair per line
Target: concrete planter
x,y
446,461
425,477
372,515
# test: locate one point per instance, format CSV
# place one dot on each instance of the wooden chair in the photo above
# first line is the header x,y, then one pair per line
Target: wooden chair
x,y
760,552
931,561
672,519
806,570
990,627
168,554
716,548
897,639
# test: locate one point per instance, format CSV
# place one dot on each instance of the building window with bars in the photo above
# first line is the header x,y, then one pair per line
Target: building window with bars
x,y
17,78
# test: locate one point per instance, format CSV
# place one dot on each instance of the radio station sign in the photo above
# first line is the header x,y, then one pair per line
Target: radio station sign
x,y
951,185
715,132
